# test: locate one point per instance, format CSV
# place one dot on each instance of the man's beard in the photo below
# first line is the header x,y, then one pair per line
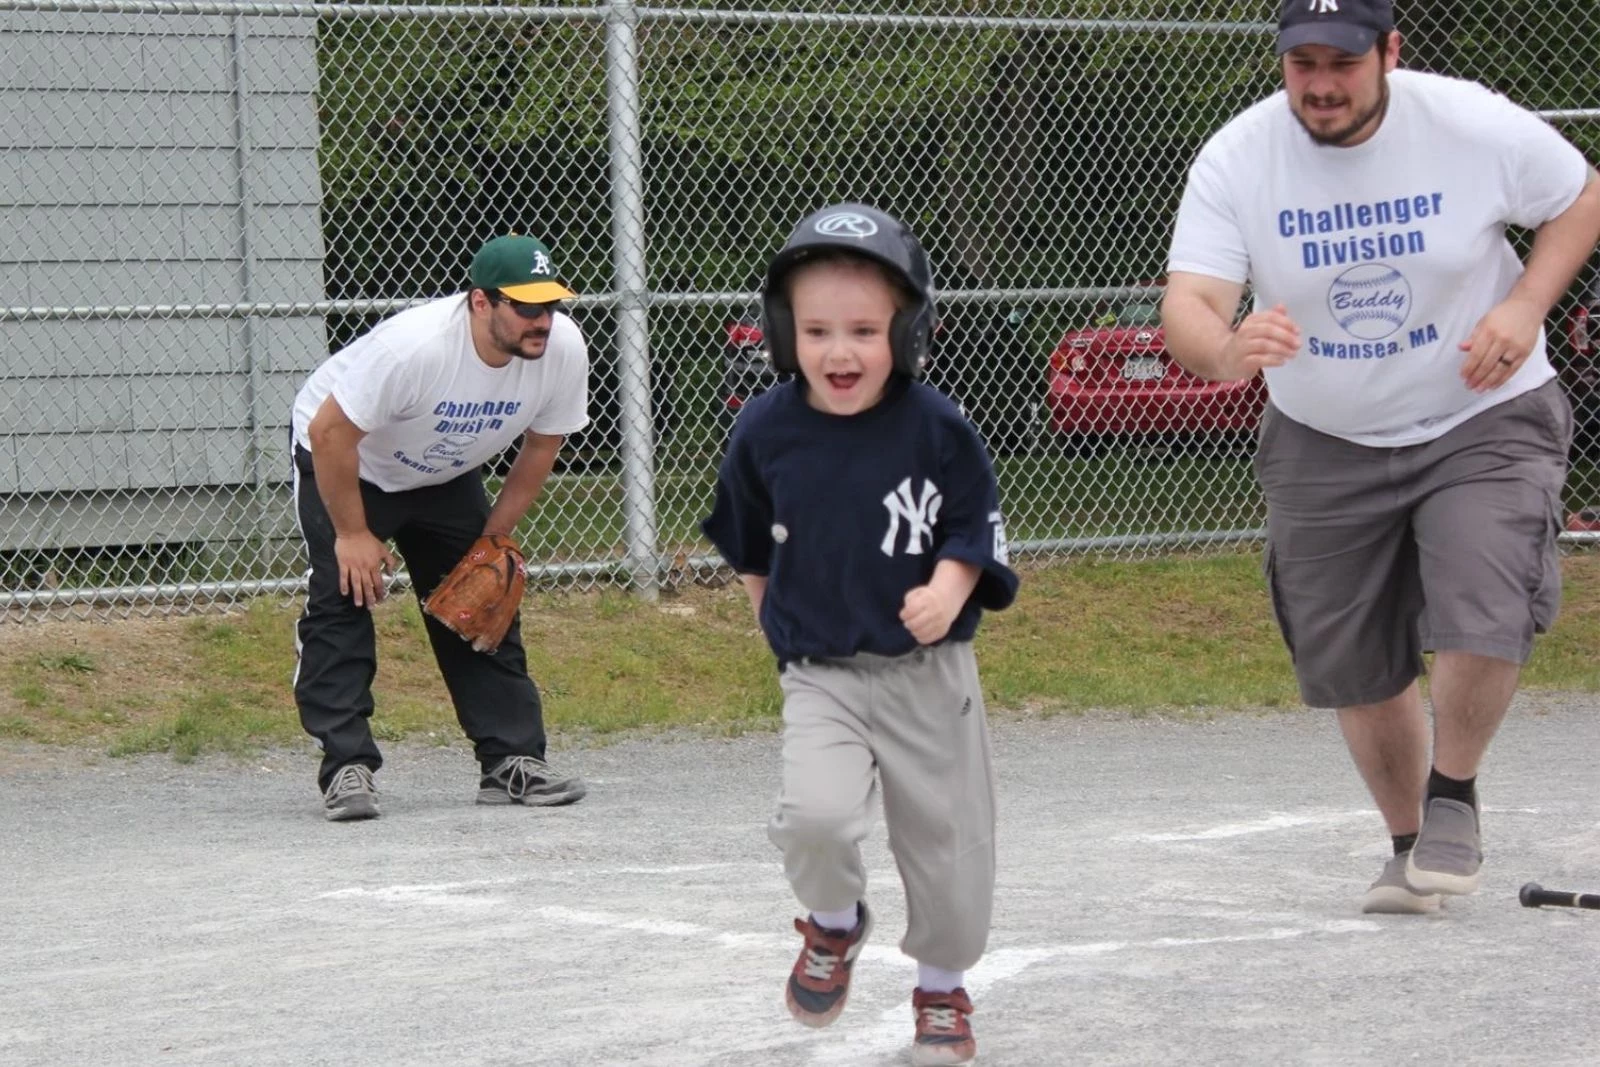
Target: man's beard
x,y
1344,133
511,344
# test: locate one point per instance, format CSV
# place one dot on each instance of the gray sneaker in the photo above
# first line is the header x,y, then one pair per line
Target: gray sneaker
x,y
530,781
1391,894
350,795
1448,851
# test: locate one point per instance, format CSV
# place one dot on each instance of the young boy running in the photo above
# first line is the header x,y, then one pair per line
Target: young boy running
x,y
861,512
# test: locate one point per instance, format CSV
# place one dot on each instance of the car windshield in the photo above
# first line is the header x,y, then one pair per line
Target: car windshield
x,y
1139,315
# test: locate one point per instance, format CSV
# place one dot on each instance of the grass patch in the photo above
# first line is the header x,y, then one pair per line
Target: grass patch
x,y
1186,635
211,720
1160,634
72,662
15,726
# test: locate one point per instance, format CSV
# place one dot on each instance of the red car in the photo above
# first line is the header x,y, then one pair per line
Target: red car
x,y
746,371
1114,379
1580,371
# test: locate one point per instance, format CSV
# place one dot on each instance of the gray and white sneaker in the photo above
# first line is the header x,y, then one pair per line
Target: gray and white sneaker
x,y
531,781
350,795
1391,894
1448,852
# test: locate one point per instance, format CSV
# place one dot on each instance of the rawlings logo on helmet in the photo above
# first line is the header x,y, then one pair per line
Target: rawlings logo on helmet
x,y
862,230
846,224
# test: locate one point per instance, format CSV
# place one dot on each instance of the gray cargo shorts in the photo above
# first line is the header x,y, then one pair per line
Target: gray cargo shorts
x,y
1377,555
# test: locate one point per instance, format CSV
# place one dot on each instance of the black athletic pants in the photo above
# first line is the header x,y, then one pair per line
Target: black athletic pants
x,y
495,699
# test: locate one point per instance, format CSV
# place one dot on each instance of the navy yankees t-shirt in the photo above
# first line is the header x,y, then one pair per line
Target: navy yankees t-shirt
x,y
845,514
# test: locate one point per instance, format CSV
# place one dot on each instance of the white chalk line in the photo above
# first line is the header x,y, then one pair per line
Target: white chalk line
x,y
1278,821
450,894
1271,824
459,895
892,1029
683,868
470,894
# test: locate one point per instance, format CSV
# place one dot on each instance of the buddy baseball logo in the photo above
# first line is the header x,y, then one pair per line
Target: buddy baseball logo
x,y
845,224
449,449
1370,301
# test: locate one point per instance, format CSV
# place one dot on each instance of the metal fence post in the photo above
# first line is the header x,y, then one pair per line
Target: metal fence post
x,y
237,29
632,285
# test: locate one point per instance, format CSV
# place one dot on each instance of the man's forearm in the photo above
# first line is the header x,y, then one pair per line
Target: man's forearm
x,y
524,481
339,485
1196,335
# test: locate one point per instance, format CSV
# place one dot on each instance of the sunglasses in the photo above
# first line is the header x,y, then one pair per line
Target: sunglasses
x,y
522,308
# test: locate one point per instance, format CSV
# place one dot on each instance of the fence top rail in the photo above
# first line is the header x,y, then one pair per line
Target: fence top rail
x,y
312,308
290,9
628,10
1572,114
988,22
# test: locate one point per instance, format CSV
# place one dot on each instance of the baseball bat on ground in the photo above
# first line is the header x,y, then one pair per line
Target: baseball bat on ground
x,y
1534,895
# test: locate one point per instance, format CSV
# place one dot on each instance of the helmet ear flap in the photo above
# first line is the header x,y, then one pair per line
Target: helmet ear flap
x,y
910,337
777,330
911,331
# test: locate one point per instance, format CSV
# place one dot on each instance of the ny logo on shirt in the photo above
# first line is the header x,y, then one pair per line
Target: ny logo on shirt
x,y
920,513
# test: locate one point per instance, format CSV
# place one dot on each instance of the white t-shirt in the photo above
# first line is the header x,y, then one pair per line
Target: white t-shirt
x,y
432,410
1386,254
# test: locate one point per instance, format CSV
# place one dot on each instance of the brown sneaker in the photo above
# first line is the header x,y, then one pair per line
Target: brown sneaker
x,y
820,980
944,1033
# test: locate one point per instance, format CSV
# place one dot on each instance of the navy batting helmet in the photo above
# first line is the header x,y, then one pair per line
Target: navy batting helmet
x,y
867,232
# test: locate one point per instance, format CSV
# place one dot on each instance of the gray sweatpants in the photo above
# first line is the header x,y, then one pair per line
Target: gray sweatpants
x,y
916,726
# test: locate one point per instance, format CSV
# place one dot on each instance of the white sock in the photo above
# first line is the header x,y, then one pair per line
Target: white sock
x,y
935,980
836,920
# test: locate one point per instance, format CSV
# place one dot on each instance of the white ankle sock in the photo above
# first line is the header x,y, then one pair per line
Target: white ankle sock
x,y
836,920
935,980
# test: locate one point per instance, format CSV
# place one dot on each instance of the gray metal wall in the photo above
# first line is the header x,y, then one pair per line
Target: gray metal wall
x,y
151,160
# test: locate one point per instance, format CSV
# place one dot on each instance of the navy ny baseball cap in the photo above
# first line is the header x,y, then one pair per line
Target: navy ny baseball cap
x,y
519,267
1349,25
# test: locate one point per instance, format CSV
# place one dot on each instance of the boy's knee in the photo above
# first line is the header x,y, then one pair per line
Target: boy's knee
x,y
817,827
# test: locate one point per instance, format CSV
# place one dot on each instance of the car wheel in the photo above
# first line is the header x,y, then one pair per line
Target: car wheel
x,y
1216,444
1083,445
1586,427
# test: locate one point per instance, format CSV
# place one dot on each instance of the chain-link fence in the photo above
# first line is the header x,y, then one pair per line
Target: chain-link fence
x,y
198,201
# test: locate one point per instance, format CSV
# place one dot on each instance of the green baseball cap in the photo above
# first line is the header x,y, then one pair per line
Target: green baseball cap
x,y
519,267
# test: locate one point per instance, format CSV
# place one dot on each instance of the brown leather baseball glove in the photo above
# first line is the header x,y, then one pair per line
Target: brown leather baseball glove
x,y
480,596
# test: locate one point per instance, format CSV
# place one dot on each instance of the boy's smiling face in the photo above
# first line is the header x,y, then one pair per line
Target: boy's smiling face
x,y
842,311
